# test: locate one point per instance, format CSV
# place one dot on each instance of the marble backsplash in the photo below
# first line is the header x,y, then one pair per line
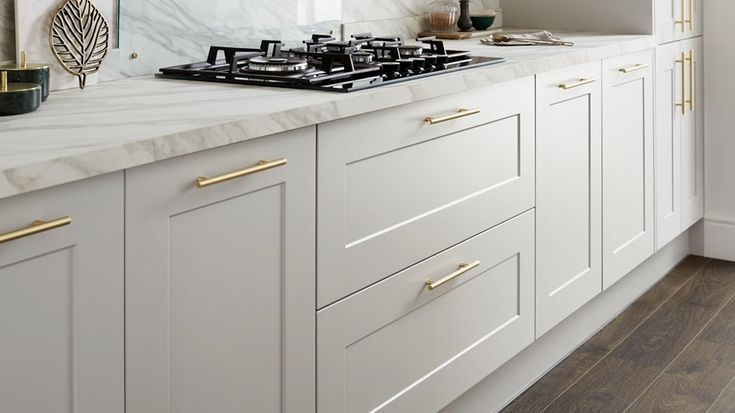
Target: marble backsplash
x,y
168,32
7,30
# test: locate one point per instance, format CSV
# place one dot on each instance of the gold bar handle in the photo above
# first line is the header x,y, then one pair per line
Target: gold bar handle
x,y
683,103
691,15
683,20
203,181
692,79
582,82
463,269
36,227
431,120
635,68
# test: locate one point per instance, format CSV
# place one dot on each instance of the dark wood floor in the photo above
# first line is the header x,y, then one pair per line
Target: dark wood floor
x,y
673,350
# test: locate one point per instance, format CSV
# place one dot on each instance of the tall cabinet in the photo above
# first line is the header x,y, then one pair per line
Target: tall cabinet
x,y
679,148
220,279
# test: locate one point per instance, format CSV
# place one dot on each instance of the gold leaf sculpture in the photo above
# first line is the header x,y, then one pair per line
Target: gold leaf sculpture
x,y
79,38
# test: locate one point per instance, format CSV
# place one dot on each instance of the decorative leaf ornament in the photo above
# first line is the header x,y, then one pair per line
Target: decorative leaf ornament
x,y
79,38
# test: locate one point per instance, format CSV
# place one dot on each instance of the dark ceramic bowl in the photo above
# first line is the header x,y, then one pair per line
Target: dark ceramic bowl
x,y
482,22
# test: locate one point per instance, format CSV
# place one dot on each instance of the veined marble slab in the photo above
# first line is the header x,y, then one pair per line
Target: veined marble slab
x,y
130,122
170,32
7,31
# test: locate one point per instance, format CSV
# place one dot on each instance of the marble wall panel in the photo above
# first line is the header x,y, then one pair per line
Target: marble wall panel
x,y
7,30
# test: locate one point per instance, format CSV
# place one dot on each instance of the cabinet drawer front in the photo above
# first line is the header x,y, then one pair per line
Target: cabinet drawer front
x,y
220,281
61,300
398,346
417,192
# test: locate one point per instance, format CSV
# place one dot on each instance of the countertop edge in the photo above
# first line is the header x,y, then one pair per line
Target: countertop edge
x,y
99,161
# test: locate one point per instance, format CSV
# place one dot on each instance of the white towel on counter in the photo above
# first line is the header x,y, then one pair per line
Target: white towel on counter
x,y
543,38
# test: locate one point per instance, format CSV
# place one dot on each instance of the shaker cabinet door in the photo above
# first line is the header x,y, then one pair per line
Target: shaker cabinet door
x,y
220,280
692,136
679,139
669,96
627,157
61,299
568,197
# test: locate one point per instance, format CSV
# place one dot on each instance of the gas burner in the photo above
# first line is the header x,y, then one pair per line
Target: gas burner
x,y
362,57
276,64
326,63
410,51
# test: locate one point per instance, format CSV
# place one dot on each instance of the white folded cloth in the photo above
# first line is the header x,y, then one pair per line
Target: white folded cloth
x,y
543,38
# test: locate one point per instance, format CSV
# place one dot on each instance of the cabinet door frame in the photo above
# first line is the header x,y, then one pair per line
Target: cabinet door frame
x,y
692,136
619,257
158,191
668,118
93,243
555,301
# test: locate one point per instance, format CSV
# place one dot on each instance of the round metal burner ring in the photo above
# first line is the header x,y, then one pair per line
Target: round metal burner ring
x,y
277,64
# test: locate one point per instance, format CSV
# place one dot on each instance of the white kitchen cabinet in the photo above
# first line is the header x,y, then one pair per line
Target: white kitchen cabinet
x,y
61,299
399,346
678,19
220,280
668,118
692,136
390,199
568,192
628,220
679,139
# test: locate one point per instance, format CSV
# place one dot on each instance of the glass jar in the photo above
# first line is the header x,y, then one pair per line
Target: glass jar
x,y
443,16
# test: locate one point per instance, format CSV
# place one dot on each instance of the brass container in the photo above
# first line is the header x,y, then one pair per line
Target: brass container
x,y
18,98
24,72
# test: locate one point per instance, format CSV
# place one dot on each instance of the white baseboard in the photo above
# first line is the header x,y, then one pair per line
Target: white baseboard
x,y
510,380
715,237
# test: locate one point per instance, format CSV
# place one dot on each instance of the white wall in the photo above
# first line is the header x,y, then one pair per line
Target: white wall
x,y
609,16
716,237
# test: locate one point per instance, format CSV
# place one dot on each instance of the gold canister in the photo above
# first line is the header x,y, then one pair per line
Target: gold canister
x,y
24,72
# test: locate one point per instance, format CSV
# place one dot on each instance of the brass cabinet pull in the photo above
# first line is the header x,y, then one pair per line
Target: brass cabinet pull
x,y
261,166
463,269
683,20
635,68
691,15
683,103
692,79
582,82
431,120
36,227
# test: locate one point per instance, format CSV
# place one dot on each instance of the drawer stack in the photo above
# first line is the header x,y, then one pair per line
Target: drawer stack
x,y
411,297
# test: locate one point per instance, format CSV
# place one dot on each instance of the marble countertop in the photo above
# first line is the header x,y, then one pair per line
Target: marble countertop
x,y
122,124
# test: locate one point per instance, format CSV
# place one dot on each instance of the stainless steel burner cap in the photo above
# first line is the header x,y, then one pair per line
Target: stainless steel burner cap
x,y
277,64
410,50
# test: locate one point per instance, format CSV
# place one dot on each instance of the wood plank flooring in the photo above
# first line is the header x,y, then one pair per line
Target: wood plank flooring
x,y
673,350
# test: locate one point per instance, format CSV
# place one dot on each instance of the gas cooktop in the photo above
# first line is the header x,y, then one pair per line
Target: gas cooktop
x,y
325,63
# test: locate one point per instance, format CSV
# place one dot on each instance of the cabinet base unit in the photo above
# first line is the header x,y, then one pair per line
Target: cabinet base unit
x,y
220,280
416,341
61,299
